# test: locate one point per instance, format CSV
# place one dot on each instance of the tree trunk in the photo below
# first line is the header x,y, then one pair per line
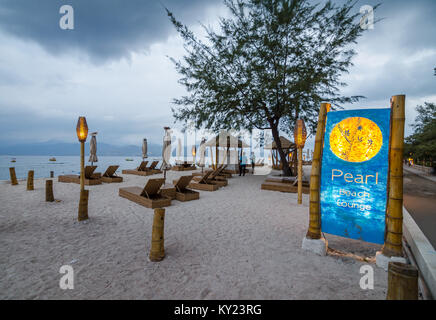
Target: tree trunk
x,y
285,165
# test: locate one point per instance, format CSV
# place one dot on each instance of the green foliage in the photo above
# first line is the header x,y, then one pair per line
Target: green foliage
x,y
422,143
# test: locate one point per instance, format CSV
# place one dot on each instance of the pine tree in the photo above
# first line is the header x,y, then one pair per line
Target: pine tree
x,y
273,62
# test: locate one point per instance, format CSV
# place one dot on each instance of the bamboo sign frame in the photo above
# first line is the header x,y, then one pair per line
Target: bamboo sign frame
x,y
394,216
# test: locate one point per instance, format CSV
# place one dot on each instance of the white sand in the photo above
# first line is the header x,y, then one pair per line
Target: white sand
x,y
239,242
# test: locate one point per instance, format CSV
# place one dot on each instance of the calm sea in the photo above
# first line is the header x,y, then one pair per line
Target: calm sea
x,y
63,165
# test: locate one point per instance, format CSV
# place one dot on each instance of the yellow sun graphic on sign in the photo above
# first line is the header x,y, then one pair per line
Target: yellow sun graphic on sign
x,y
356,139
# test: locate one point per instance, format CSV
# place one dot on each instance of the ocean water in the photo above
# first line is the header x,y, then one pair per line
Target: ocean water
x,y
63,165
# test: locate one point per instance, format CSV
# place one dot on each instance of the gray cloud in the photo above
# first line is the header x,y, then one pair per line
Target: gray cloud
x,y
103,29
46,82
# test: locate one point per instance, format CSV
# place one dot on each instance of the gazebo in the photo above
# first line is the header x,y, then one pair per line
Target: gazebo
x,y
227,149
288,148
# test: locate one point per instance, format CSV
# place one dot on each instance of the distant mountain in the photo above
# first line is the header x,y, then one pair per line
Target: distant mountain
x,y
72,149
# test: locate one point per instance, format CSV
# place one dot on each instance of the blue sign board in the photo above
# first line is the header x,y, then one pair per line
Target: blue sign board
x,y
354,174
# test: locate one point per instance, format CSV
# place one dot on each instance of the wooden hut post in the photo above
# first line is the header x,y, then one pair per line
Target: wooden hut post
x,y
157,252
314,231
14,180
394,218
30,175
49,191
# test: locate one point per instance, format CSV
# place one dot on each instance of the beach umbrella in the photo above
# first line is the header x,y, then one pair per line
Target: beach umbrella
x,y
179,148
144,149
166,151
93,149
202,151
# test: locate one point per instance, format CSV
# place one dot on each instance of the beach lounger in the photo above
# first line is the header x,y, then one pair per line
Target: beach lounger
x,y
204,184
214,178
182,192
285,184
109,175
152,168
148,196
91,178
140,171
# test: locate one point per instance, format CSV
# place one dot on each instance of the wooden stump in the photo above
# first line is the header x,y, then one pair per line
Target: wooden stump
x,y
14,181
49,191
402,282
83,205
30,180
157,252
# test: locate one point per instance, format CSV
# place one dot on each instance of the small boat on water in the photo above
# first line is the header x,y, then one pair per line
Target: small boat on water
x,y
52,159
13,160
129,159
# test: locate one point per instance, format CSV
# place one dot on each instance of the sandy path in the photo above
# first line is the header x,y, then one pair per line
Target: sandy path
x,y
236,243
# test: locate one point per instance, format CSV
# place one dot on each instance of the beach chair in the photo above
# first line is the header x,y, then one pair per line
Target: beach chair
x,y
109,175
182,192
152,168
214,178
148,196
204,184
142,166
91,178
140,171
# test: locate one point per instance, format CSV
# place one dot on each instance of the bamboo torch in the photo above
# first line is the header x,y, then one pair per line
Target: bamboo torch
x,y
300,135
82,133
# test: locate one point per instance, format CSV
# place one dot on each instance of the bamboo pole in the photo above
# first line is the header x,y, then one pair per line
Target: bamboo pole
x,y
84,194
314,231
157,252
82,166
83,205
14,180
30,175
402,282
49,191
300,176
394,214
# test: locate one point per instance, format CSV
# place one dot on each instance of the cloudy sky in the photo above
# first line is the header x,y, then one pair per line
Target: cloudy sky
x,y
114,67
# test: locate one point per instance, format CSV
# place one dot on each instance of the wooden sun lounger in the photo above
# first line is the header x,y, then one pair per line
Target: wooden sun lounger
x,y
140,171
109,175
214,178
91,178
152,168
148,196
182,192
203,184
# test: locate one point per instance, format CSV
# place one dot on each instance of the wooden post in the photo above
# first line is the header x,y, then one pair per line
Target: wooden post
x,y
394,217
84,194
300,175
14,181
157,252
402,282
83,205
49,191
82,166
314,231
30,175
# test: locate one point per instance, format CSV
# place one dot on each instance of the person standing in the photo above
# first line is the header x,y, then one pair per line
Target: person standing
x,y
253,161
243,166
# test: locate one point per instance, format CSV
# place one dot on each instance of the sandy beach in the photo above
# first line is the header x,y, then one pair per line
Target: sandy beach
x,y
239,242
